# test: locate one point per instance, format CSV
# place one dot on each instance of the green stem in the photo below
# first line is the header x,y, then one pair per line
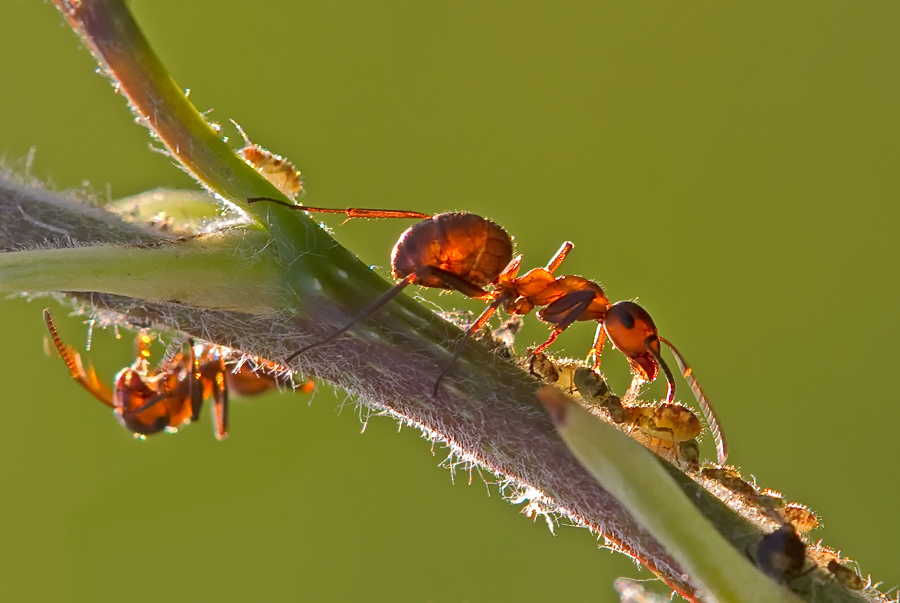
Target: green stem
x,y
200,272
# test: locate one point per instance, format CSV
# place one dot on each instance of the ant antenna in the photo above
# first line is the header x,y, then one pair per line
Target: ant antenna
x,y
87,379
711,418
670,379
350,212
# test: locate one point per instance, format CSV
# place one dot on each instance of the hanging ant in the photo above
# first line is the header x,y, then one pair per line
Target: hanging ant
x,y
148,400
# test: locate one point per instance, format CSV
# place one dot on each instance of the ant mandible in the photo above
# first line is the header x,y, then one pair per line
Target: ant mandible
x,y
147,401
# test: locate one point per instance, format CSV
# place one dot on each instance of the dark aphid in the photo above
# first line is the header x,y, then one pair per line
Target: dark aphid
x,y
781,555
846,576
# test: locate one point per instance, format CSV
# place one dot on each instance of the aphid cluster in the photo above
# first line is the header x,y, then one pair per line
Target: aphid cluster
x,y
148,400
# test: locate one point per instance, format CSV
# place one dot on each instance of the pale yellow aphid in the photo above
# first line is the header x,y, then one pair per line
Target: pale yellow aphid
x,y
274,168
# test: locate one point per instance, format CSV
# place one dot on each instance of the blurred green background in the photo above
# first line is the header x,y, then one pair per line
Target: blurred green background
x,y
733,167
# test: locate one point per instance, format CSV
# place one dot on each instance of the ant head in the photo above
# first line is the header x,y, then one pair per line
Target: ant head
x,y
632,331
138,408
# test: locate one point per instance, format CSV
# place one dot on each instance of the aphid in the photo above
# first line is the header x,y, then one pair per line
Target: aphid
x,y
666,422
594,389
280,172
567,368
846,576
802,518
781,555
148,400
689,451
632,331
543,367
772,500
730,478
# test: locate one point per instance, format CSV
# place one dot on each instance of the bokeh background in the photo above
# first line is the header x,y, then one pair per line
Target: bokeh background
x,y
735,168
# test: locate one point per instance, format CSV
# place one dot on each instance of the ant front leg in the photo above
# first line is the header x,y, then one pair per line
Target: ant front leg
x,y
195,384
220,400
563,312
597,347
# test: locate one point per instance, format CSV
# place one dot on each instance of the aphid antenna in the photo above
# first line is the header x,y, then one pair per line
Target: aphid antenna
x,y
705,406
243,134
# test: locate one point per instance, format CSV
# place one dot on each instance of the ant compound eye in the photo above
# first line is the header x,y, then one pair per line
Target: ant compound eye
x,y
626,318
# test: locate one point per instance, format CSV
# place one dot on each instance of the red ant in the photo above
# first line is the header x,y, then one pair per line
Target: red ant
x,y
147,401
466,253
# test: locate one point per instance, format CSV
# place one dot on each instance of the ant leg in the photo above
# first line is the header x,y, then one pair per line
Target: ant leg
x,y
363,314
563,312
711,418
195,385
482,320
220,401
559,256
597,347
670,379
87,379
547,343
454,281
350,212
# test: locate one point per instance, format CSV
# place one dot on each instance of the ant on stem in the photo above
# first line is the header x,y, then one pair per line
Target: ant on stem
x,y
148,400
466,253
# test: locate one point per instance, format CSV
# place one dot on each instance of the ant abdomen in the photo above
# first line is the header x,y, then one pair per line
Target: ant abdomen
x,y
468,247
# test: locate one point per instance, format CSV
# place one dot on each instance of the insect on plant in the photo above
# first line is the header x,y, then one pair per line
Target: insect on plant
x,y
467,253
781,555
274,168
846,576
148,400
